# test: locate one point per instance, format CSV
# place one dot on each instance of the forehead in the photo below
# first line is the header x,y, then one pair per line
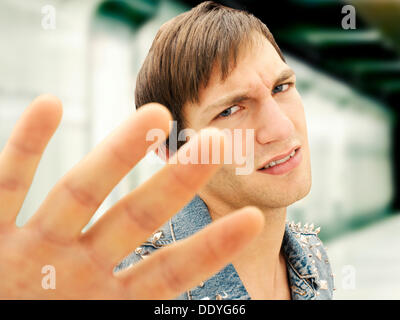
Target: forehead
x,y
257,66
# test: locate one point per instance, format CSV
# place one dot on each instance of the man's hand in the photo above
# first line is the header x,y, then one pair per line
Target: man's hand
x,y
84,262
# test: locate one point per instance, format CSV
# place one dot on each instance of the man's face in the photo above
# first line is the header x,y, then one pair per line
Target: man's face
x,y
269,104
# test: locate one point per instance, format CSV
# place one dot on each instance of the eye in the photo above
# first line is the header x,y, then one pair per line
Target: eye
x,y
281,88
228,112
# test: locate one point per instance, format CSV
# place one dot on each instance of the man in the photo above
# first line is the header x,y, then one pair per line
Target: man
x,y
270,259
218,67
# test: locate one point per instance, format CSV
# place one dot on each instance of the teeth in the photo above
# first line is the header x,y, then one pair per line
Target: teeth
x,y
283,160
274,163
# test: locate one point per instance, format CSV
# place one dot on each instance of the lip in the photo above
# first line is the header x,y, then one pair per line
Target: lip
x,y
281,156
286,166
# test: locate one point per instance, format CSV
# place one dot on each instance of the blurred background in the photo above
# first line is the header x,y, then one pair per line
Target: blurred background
x,y
88,54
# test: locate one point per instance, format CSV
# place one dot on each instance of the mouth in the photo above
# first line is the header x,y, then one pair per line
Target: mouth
x,y
282,163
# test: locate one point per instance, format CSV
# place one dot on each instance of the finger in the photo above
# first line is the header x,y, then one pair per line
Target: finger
x,y
22,152
137,215
183,265
72,202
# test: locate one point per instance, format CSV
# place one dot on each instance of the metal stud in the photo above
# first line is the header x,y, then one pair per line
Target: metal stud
x,y
318,255
157,236
138,250
323,284
303,239
314,270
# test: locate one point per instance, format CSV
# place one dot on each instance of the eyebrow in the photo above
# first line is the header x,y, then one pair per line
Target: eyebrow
x,y
237,97
284,75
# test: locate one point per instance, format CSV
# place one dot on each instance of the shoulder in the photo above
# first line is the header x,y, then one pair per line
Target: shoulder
x,y
314,257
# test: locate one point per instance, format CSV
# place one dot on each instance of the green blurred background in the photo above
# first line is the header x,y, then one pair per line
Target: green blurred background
x,y
88,54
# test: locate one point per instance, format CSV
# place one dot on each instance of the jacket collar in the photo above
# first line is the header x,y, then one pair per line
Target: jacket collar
x,y
302,273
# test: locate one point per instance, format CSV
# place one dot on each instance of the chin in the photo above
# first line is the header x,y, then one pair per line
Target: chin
x,y
288,195
302,191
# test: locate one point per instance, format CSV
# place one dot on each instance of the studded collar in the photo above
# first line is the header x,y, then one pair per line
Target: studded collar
x,y
303,251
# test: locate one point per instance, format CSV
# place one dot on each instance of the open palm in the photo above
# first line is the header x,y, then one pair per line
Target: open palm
x,y
84,262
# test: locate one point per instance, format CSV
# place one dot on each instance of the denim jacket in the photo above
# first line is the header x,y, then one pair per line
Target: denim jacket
x,y
309,271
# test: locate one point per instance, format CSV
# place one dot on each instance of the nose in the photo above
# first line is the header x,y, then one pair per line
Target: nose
x,y
273,124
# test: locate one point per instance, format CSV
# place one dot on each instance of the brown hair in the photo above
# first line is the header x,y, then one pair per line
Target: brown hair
x,y
185,50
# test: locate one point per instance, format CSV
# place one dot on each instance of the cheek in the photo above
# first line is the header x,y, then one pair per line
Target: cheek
x,y
300,124
295,112
299,121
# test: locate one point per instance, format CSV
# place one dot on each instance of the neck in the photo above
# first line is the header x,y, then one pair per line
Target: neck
x,y
263,258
